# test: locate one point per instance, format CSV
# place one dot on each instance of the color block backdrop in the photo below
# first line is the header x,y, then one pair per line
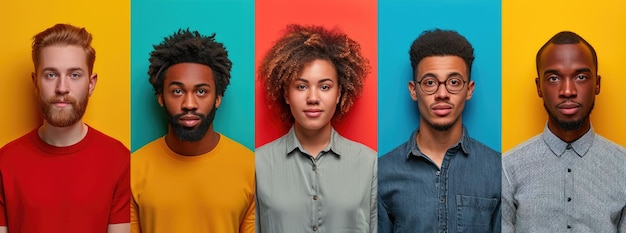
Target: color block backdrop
x,y
233,23
401,22
357,18
527,25
109,23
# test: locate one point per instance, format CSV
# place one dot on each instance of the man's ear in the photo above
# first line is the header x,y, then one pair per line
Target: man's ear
x,y
160,99
92,82
412,90
598,85
538,84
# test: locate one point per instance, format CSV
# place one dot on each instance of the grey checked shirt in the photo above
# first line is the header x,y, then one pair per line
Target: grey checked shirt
x,y
333,193
549,185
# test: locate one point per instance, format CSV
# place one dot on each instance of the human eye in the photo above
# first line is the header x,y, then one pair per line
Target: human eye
x,y
553,78
75,75
581,77
301,86
177,91
429,82
455,82
201,91
325,87
50,75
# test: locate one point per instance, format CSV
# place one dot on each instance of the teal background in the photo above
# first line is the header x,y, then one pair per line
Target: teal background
x,y
233,23
402,21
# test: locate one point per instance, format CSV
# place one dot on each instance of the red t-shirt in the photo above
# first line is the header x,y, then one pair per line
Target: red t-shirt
x,y
75,189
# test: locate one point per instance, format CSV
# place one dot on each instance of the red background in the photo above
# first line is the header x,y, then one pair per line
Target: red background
x,y
356,18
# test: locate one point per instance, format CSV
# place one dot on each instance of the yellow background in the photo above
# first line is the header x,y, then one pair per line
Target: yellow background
x,y
526,26
108,22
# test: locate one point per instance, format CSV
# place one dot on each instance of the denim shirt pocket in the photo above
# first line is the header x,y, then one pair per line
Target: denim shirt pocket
x,y
474,213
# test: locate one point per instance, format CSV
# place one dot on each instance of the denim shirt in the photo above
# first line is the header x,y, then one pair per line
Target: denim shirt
x,y
415,195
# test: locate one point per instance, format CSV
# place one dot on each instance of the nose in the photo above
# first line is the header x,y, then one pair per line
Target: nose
x,y
442,91
568,89
61,86
312,96
189,103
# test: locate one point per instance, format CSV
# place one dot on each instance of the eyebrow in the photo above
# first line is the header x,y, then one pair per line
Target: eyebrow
x,y
431,75
581,70
180,84
56,70
321,81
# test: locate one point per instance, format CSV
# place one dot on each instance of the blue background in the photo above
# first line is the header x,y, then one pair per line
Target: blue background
x,y
401,22
233,22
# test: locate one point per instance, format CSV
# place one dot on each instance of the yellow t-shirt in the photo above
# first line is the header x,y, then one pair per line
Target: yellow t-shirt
x,y
172,193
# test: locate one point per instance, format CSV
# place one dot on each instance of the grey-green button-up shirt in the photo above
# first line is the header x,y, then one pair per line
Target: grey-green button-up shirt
x,y
335,192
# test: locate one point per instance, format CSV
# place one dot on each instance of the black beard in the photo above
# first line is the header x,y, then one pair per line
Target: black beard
x,y
569,125
190,134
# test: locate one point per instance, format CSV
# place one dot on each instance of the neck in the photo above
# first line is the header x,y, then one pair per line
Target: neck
x,y
569,135
63,136
313,141
434,143
192,148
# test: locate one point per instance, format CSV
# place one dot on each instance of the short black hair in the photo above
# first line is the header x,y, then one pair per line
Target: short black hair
x,y
439,42
567,37
190,46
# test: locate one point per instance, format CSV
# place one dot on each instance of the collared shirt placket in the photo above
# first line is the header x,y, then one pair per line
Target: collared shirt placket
x,y
442,191
317,208
568,185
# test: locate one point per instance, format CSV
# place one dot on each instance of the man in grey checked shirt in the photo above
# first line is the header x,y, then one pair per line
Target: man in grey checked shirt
x,y
568,178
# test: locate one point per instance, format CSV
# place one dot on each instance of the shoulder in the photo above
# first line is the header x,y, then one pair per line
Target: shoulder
x,y
17,146
606,146
232,146
482,149
279,145
147,150
350,147
524,148
397,154
107,141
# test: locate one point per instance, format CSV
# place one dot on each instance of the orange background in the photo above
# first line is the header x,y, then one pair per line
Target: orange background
x,y
356,18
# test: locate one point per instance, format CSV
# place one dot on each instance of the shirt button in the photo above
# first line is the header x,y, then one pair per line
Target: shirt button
x,y
442,200
569,199
569,170
437,173
315,197
314,228
569,146
569,227
314,167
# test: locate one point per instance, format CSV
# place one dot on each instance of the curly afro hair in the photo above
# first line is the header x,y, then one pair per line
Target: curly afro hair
x,y
301,45
190,46
441,43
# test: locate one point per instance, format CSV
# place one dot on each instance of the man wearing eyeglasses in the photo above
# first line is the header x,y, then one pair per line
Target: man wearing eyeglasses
x,y
440,180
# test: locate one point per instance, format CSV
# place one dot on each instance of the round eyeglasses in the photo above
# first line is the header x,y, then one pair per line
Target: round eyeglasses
x,y
430,85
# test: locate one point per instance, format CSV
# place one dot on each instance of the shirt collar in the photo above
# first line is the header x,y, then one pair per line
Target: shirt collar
x,y
558,146
293,143
463,143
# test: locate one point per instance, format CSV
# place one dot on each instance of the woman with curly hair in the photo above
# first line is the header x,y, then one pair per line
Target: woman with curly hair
x,y
313,179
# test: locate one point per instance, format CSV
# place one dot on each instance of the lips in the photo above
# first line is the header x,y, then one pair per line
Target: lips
x,y
313,112
568,108
189,120
442,109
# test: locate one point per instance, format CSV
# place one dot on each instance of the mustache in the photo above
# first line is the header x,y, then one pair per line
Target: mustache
x,y
569,103
61,98
176,116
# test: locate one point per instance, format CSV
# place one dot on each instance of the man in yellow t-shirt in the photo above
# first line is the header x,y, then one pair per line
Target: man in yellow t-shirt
x,y
193,179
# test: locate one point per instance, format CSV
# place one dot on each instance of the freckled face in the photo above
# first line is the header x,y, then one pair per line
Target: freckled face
x,y
313,96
